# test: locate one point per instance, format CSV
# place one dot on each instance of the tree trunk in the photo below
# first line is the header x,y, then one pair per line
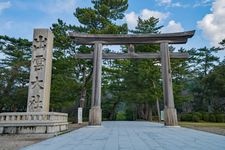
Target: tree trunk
x,y
149,118
146,111
112,114
141,114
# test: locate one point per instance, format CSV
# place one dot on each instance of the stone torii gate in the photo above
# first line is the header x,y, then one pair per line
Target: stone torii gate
x,y
95,113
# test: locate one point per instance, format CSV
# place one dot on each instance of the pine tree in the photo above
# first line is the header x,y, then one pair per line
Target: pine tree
x,y
14,70
99,19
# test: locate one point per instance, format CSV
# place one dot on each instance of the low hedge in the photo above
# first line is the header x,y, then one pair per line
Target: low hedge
x,y
220,117
186,117
202,116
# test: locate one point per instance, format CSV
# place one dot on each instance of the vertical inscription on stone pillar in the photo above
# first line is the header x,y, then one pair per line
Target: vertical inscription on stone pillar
x,y
40,72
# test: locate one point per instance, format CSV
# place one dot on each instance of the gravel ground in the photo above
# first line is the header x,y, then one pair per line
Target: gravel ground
x,y
17,141
14,142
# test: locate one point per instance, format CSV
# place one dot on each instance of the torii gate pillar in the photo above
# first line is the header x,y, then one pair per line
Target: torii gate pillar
x,y
170,112
95,113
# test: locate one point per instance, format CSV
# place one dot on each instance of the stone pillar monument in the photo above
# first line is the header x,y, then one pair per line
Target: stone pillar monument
x,y
95,113
170,113
40,72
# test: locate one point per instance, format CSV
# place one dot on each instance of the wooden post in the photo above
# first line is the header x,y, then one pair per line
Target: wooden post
x,y
95,113
170,113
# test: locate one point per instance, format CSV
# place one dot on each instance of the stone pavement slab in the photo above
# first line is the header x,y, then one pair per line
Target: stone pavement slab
x,y
133,135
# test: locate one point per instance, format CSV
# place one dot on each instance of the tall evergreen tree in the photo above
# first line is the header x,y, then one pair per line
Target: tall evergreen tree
x,y
201,62
14,70
141,78
100,19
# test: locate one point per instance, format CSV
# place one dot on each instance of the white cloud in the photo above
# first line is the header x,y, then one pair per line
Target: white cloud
x,y
169,3
7,25
177,4
146,14
213,24
131,18
58,6
4,5
202,3
172,27
164,2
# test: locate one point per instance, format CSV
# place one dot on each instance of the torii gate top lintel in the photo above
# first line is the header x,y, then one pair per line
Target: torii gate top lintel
x,y
120,39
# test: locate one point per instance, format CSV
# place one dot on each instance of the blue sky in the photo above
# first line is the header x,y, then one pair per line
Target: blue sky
x,y
207,17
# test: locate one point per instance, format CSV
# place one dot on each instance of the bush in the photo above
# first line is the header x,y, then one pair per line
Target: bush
x,y
220,117
195,118
205,117
120,116
186,117
212,118
130,115
199,115
155,118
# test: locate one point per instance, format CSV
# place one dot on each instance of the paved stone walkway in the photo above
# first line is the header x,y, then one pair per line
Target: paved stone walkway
x,y
125,135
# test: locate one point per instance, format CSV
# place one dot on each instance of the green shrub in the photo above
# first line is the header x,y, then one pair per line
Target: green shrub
x,y
120,116
155,118
198,114
205,117
212,118
130,115
186,117
195,118
220,117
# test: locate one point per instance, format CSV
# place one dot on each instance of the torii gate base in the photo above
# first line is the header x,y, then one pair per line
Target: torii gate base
x,y
95,115
170,117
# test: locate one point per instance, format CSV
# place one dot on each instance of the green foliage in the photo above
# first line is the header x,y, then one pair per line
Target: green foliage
x,y
147,26
201,62
72,78
216,80
141,78
100,18
222,43
121,116
198,114
195,118
131,113
14,71
205,116
220,117
212,118
186,117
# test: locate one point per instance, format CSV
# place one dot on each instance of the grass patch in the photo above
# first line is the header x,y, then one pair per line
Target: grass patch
x,y
202,124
